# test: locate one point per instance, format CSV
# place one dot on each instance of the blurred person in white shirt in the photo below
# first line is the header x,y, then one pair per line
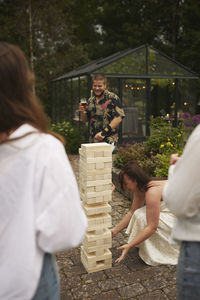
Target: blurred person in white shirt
x,y
40,211
182,196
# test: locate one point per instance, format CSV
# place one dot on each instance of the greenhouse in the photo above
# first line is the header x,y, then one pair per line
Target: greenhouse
x,y
148,82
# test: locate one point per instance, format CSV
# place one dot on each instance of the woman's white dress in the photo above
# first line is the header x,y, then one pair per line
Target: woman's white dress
x,y
156,249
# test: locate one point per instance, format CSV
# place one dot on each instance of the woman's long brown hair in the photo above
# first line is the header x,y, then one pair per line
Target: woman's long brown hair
x,y
18,104
135,173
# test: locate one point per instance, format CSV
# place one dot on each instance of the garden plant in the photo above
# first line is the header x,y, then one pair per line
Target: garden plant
x,y
153,155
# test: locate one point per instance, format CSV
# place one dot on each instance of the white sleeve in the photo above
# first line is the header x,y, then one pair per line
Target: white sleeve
x,y
61,222
182,191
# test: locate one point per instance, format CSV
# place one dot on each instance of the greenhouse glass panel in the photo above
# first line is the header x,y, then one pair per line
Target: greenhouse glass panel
x,y
130,64
160,65
187,97
113,85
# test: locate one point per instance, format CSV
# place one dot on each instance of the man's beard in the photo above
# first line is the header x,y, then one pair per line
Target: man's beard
x,y
99,96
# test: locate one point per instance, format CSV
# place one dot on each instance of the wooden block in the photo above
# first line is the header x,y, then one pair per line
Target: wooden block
x,y
90,154
106,187
97,200
100,221
108,165
93,241
94,197
97,235
93,172
99,194
98,232
92,166
96,209
90,160
100,177
98,153
93,263
96,147
100,165
108,176
98,249
107,198
90,189
98,182
108,153
100,188
103,242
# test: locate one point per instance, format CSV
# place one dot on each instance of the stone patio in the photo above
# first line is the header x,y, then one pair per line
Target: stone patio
x,y
131,279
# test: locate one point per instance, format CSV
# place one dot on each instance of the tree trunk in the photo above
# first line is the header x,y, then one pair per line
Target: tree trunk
x,y
31,42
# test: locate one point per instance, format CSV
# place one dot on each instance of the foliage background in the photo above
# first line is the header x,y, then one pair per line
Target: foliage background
x,y
58,36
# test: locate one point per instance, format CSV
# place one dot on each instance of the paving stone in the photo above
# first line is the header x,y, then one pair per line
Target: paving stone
x,y
77,270
76,258
85,291
131,290
135,264
156,295
136,276
155,283
70,281
111,283
110,295
117,270
62,263
170,291
92,277
66,296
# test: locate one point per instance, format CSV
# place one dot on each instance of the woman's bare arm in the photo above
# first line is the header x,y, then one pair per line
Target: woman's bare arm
x,y
152,217
136,203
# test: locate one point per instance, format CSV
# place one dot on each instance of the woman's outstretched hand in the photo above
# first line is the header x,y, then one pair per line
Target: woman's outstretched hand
x,y
113,232
125,248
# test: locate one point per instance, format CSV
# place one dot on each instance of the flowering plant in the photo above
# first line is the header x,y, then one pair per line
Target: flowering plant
x,y
164,137
190,122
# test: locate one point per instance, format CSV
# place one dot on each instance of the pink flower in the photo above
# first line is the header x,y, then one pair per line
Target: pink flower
x,y
196,119
186,115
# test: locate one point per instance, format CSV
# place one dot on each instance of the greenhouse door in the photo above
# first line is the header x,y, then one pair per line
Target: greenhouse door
x,y
134,104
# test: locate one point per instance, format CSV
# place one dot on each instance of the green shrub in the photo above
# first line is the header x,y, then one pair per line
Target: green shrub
x,y
136,152
162,167
164,137
73,136
153,155
128,152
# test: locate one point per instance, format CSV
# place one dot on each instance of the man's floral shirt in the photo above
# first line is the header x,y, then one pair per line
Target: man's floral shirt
x,y
100,115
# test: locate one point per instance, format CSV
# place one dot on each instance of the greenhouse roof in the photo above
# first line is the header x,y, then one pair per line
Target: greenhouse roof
x,y
142,62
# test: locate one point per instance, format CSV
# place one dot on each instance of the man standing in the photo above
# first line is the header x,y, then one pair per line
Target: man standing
x,y
103,112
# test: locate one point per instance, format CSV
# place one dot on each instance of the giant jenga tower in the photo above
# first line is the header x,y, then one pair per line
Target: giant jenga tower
x,y
95,185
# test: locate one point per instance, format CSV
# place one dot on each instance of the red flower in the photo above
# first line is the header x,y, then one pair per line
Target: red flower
x,y
104,105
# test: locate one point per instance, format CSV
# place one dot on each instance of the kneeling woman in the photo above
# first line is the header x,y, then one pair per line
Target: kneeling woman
x,y
149,221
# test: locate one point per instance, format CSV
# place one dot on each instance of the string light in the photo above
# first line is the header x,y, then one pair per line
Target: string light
x,y
138,88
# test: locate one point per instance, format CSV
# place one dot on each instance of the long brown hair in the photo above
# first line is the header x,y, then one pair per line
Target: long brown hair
x,y
18,104
135,173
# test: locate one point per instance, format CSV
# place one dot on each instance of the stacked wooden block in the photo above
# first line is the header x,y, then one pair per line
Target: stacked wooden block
x,y
95,183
